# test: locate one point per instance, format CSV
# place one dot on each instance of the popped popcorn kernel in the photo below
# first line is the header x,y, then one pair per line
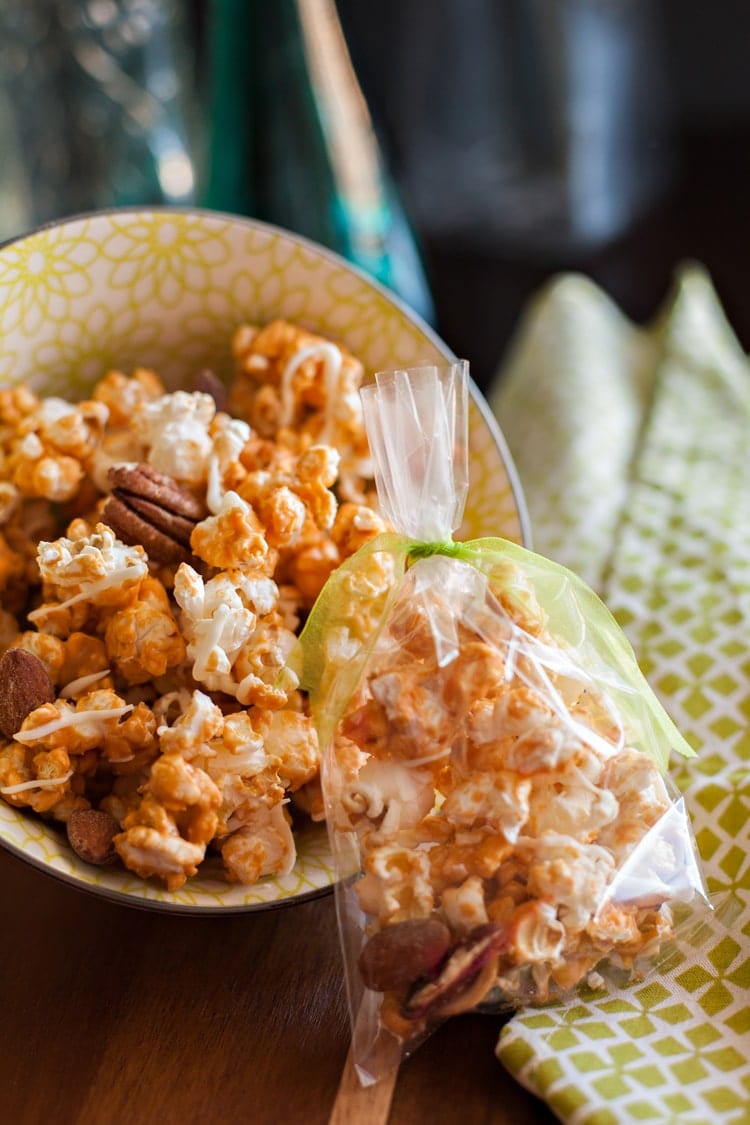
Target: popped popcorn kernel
x,y
123,394
174,429
36,473
232,538
84,656
142,638
50,650
94,568
16,404
263,846
355,525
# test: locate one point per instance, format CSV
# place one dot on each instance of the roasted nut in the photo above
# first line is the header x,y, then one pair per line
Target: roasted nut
x,y
149,484
91,833
452,989
209,383
24,686
400,954
150,508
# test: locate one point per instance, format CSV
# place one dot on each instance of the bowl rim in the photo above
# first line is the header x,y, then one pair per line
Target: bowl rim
x,y
162,906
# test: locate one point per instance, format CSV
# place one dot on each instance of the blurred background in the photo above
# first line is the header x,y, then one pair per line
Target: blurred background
x,y
461,151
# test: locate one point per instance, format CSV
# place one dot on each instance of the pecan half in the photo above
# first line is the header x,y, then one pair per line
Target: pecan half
x,y
464,978
150,508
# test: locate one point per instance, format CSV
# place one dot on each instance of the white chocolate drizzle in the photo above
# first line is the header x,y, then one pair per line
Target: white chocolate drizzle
x,y
72,719
36,783
81,683
333,360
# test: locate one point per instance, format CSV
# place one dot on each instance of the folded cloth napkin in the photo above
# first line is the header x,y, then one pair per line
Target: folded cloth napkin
x,y
633,448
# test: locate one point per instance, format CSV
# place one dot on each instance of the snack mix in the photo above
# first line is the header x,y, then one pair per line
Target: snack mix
x,y
158,552
501,829
501,819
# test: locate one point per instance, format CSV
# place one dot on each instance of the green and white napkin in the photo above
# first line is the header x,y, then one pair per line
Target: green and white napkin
x,y
633,448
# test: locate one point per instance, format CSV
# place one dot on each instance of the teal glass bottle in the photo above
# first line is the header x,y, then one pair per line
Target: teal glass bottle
x,y
291,141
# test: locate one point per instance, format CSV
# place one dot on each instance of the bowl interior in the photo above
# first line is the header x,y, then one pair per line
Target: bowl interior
x,y
165,289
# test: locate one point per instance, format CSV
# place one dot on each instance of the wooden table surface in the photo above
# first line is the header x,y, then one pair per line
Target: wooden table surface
x,y
115,1014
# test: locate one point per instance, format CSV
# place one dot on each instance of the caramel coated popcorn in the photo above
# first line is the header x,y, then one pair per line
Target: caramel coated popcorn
x,y
487,785
157,557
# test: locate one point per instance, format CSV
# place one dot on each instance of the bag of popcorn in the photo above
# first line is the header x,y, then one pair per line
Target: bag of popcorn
x,y
493,759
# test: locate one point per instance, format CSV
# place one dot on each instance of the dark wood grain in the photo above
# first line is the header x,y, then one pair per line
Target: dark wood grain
x,y
112,1014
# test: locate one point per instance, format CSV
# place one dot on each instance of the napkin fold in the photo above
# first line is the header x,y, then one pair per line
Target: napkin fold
x,y
633,449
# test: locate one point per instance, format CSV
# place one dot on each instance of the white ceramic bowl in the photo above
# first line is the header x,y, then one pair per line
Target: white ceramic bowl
x,y
164,289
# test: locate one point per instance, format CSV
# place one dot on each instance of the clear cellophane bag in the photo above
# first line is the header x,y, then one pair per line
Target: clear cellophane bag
x,y
493,760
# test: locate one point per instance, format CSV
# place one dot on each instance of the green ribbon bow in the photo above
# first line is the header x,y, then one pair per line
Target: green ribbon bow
x,y
349,614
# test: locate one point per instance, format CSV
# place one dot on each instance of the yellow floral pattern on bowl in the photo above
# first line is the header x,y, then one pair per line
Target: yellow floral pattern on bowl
x,y
165,289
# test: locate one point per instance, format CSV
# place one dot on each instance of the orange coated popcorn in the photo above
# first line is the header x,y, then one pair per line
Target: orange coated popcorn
x,y
50,446
142,638
293,382
485,786
163,601
123,394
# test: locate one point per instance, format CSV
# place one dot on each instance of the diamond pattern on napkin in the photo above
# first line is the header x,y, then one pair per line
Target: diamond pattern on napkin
x,y
675,570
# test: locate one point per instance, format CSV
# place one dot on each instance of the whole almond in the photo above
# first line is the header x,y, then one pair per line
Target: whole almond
x,y
24,686
403,952
91,833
